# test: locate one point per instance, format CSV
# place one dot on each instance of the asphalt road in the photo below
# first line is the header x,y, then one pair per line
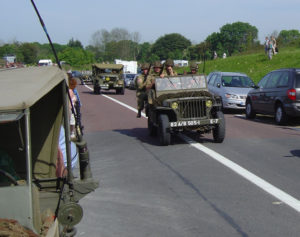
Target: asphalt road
x,y
246,186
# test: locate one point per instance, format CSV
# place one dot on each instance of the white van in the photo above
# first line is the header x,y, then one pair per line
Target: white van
x,y
45,62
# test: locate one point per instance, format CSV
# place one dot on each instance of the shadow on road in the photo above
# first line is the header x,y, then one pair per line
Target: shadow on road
x,y
295,153
142,134
268,119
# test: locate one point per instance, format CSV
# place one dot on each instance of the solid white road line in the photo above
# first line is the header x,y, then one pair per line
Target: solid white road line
x,y
269,188
264,185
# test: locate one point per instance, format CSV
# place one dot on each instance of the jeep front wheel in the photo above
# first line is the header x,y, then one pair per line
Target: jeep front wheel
x,y
219,130
151,128
96,90
164,130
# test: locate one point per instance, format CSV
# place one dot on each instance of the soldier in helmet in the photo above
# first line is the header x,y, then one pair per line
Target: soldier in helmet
x,y
193,68
169,68
157,72
140,83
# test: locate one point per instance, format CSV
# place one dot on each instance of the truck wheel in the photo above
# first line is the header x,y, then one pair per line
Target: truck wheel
x,y
250,113
96,90
219,130
164,130
151,128
122,91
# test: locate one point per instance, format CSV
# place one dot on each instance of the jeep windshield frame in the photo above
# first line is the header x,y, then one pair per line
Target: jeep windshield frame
x,y
180,83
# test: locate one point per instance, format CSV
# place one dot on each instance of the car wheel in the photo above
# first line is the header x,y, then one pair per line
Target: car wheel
x,y
219,130
164,130
151,128
280,115
122,91
250,113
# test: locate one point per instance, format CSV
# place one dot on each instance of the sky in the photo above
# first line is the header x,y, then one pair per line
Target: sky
x,y
194,19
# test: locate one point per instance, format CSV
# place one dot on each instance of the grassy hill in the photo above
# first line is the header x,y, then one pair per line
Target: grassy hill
x,y
255,65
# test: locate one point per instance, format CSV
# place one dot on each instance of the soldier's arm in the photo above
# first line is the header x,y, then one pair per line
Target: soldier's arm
x,y
150,82
140,82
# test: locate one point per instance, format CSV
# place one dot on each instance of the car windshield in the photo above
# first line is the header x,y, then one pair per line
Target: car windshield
x,y
180,83
237,81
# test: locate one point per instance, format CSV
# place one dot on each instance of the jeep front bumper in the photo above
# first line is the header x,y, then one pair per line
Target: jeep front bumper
x,y
192,123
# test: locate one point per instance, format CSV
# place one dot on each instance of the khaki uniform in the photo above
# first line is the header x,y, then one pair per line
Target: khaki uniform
x,y
166,73
141,94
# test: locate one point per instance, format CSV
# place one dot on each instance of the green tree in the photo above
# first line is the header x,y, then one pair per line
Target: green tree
x,y
237,36
144,52
170,45
288,36
29,52
76,57
75,44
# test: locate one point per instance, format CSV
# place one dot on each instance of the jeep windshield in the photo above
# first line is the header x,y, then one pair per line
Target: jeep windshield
x,y
180,83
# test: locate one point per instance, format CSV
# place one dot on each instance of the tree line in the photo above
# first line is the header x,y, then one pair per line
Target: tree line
x,y
105,46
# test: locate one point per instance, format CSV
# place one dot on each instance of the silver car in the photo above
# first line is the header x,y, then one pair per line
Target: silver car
x,y
233,87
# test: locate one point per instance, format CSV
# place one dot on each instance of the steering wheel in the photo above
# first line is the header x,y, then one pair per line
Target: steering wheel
x,y
9,176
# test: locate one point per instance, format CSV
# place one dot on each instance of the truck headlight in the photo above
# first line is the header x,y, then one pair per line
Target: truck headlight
x,y
208,103
174,105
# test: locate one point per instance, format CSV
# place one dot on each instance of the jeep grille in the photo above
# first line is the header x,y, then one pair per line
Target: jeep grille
x,y
192,108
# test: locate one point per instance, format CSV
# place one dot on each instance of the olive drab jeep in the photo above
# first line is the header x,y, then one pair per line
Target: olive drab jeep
x,y
38,185
183,103
108,76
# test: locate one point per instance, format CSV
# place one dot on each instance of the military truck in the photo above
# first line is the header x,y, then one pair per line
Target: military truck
x,y
183,103
35,185
107,77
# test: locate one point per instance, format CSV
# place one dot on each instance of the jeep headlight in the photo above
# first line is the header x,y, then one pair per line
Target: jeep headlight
x,y
174,105
208,103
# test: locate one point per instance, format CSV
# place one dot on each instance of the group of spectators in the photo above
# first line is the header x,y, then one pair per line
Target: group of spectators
x,y
270,47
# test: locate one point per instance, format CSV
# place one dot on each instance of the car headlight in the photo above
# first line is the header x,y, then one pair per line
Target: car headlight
x,y
174,105
231,96
208,103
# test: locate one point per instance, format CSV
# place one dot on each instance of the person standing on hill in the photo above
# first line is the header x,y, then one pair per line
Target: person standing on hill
x,y
270,49
267,45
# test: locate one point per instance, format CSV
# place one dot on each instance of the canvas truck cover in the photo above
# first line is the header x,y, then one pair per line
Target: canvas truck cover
x,y
23,87
108,66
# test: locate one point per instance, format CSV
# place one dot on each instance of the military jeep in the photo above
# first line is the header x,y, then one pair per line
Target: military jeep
x,y
108,76
183,103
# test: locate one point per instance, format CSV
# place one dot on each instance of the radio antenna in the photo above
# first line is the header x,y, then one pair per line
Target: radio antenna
x,y
44,27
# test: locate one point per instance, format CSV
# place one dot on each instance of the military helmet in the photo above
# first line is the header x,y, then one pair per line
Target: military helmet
x,y
169,62
194,66
145,66
157,64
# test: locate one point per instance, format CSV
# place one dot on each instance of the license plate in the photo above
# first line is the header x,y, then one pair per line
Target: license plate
x,y
104,86
193,122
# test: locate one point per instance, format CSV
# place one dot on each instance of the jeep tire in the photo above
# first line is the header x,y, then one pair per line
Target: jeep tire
x,y
96,90
219,130
151,128
164,130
